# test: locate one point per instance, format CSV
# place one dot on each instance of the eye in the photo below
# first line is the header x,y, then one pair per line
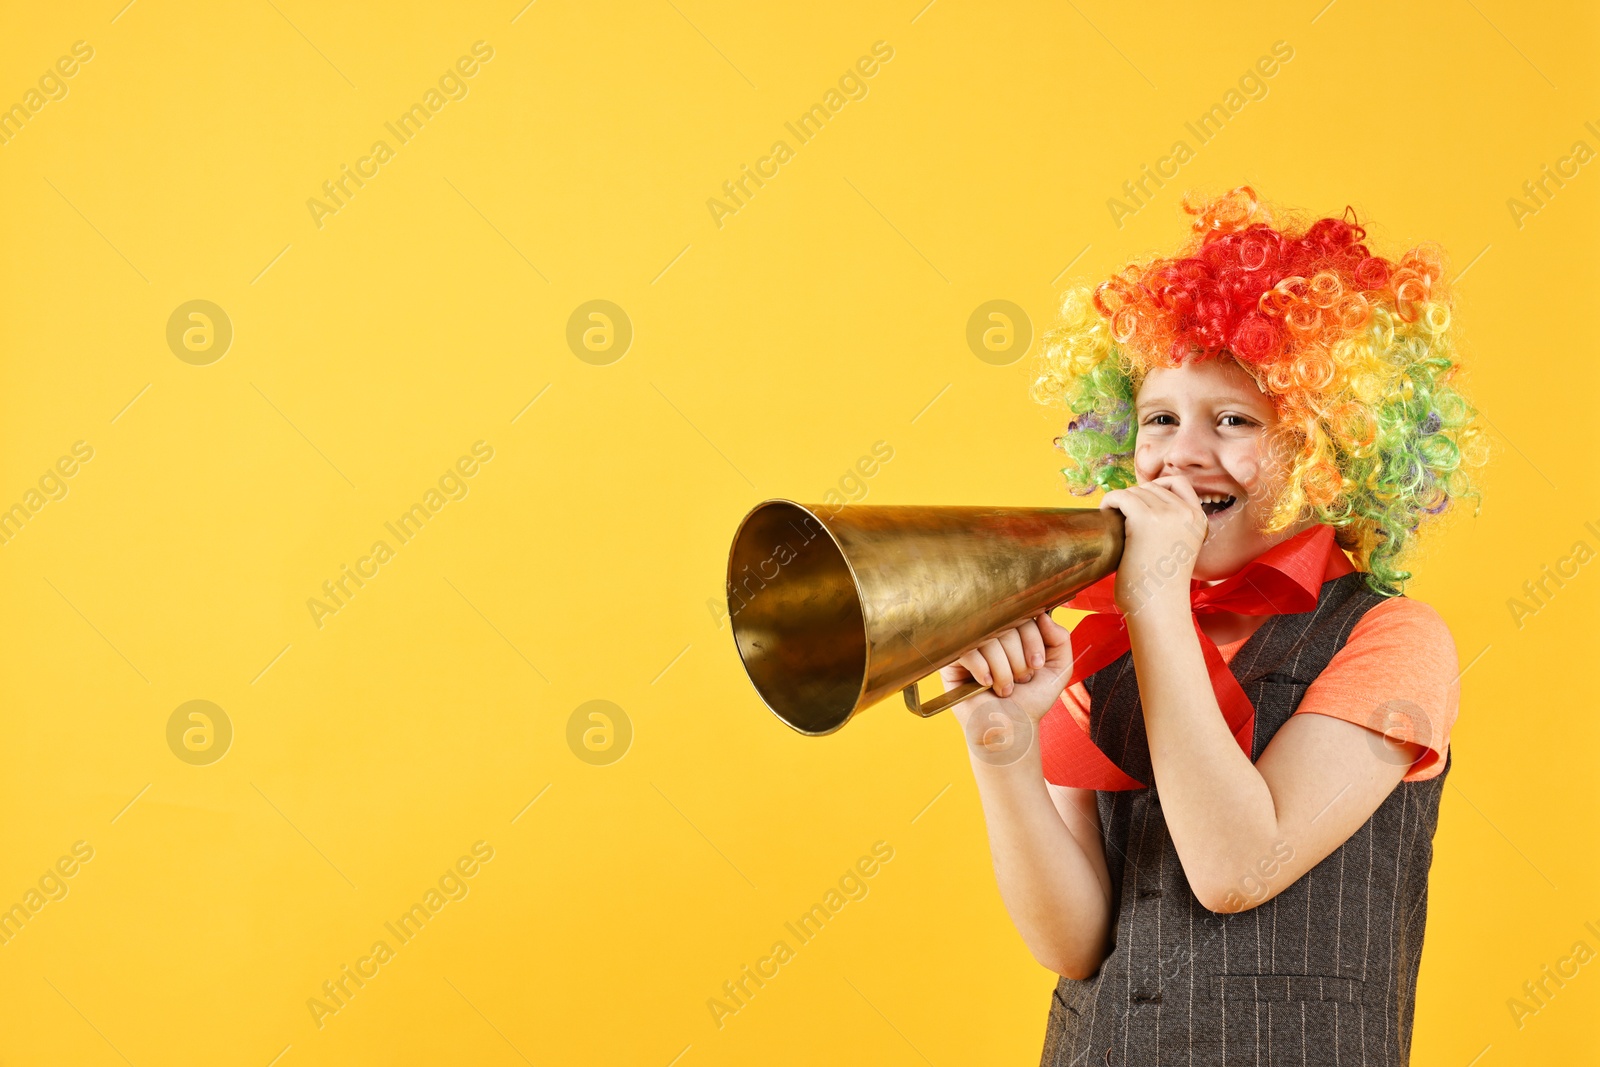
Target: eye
x,y
1243,420
1153,420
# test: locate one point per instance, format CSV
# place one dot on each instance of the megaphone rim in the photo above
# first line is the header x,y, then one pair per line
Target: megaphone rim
x,y
855,579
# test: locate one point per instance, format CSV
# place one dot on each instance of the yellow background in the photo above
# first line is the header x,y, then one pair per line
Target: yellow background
x,y
770,353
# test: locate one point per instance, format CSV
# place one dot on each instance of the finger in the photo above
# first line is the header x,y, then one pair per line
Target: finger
x,y
1118,497
1163,489
1179,486
1173,495
1052,632
1059,654
1134,500
1177,483
979,666
1182,495
999,666
974,666
1032,643
954,674
1011,641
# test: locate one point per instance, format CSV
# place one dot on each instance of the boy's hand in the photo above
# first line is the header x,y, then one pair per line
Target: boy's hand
x,y
1164,526
1028,666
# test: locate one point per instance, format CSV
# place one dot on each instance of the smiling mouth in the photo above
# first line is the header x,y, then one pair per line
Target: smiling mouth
x,y
1217,507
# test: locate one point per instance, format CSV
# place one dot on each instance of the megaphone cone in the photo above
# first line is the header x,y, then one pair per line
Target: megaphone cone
x,y
835,608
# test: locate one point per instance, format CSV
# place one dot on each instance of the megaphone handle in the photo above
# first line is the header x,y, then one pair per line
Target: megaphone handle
x,y
943,700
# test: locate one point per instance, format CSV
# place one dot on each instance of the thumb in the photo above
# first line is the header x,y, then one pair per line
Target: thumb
x,y
1057,638
1057,645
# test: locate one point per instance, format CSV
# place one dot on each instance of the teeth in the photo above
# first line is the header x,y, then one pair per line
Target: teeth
x,y
1213,498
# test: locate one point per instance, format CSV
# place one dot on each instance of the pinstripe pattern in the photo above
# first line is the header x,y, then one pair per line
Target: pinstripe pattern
x,y
1322,975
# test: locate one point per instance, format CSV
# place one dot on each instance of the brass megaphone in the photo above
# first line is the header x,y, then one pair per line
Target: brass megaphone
x,y
836,607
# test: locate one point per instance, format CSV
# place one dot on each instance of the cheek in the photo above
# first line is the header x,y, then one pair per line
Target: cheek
x,y
1246,466
1147,457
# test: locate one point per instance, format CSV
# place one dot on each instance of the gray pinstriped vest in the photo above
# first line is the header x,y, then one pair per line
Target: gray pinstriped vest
x,y
1324,973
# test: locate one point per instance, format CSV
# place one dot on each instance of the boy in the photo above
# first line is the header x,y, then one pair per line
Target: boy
x,y
1222,840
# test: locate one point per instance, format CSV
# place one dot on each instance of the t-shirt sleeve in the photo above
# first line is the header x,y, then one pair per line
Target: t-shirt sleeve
x,y
1397,674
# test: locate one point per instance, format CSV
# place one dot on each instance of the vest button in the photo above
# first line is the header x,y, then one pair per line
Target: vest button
x,y
1146,892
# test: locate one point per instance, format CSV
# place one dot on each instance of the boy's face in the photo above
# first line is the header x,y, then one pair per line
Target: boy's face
x,y
1209,423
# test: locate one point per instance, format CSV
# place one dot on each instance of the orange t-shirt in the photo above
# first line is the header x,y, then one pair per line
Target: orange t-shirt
x,y
1396,674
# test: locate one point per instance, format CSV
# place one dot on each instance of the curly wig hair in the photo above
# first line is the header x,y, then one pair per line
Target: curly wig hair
x,y
1356,352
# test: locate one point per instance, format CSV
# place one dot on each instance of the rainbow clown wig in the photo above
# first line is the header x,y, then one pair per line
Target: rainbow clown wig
x,y
1356,352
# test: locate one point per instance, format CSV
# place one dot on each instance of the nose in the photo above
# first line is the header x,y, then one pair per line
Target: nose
x,y
1187,449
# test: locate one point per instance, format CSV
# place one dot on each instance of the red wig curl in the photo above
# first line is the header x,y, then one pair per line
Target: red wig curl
x,y
1260,292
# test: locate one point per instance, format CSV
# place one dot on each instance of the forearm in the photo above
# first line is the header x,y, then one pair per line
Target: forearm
x,y
1219,810
1057,899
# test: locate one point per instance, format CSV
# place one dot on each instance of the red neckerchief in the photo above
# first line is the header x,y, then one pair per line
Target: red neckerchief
x,y
1286,579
